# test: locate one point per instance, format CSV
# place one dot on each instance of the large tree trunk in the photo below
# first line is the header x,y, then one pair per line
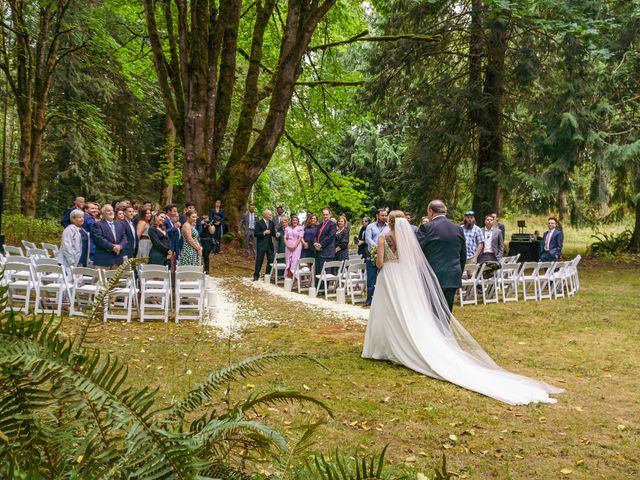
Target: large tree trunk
x,y
490,142
167,190
634,245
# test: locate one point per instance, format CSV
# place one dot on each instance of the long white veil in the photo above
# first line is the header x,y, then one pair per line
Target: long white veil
x,y
416,274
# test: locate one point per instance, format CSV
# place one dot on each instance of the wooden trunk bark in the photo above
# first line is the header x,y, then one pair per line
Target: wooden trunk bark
x,y
170,132
634,245
490,142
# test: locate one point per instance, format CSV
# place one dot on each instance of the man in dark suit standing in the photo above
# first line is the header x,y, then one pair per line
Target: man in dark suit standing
x,y
172,226
498,225
443,244
264,230
325,243
109,239
66,218
131,250
552,242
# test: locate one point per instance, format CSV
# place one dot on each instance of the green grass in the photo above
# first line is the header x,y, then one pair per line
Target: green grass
x,y
588,345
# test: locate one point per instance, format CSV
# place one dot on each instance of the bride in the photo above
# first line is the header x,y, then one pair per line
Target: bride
x,y
410,324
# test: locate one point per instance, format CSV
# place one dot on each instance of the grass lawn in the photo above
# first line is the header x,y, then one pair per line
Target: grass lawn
x,y
589,345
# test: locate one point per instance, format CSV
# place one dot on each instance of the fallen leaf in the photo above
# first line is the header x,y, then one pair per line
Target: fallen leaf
x,y
453,438
159,367
188,372
621,427
566,471
579,462
410,459
386,399
306,387
579,409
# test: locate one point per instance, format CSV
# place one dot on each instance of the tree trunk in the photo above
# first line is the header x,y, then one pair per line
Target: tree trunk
x,y
490,142
167,191
634,245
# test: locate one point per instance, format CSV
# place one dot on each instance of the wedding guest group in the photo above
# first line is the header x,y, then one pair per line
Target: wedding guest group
x,y
105,236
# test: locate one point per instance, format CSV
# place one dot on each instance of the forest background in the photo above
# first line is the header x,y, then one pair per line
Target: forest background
x,y
527,107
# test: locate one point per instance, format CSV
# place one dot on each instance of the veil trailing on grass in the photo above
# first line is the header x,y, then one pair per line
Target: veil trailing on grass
x,y
410,324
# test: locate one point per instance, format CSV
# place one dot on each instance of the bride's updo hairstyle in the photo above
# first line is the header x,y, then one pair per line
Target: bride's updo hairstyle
x,y
392,217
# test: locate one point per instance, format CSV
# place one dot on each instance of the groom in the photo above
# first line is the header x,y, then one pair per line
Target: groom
x,y
443,244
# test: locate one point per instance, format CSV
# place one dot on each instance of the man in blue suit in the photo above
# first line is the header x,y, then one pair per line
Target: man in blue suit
x,y
444,246
172,225
552,242
325,244
109,239
131,250
78,203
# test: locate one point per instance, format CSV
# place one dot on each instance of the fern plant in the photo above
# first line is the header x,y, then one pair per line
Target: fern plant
x,y
67,411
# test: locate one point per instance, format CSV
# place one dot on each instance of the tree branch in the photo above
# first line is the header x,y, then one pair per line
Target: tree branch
x,y
310,154
361,37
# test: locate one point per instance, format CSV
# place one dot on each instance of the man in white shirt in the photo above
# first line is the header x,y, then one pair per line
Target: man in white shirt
x,y
493,242
552,242
374,230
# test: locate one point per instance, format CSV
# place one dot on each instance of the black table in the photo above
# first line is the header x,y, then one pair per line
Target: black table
x,y
529,250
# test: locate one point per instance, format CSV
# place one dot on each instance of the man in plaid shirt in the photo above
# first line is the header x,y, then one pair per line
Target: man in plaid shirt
x,y
472,235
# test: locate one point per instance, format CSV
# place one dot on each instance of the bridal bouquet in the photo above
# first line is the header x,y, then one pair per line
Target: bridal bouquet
x,y
373,253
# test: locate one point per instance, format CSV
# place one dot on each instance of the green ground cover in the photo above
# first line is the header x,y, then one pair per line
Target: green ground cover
x,y
588,345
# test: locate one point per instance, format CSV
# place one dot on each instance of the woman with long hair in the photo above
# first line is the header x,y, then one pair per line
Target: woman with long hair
x,y
410,324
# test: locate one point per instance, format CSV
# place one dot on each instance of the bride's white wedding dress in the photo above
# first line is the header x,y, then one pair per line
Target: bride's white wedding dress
x,y
410,324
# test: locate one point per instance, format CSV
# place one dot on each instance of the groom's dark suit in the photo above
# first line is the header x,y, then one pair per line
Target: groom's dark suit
x,y
443,244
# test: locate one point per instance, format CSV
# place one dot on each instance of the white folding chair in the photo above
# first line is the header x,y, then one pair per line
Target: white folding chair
x,y
469,290
328,279
560,280
51,248
488,285
86,284
304,274
508,280
37,253
28,245
545,280
572,275
155,295
278,266
51,285
189,295
355,278
18,278
528,280
121,298
188,268
11,251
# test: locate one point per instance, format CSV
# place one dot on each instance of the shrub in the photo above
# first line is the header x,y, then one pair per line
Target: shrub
x,y
18,227
610,245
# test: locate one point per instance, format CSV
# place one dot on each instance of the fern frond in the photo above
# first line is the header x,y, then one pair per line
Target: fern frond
x,y
278,396
249,367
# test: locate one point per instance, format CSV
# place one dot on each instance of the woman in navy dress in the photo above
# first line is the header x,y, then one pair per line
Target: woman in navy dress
x,y
309,237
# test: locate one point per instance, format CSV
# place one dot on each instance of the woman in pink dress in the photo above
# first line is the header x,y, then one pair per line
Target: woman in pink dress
x,y
293,240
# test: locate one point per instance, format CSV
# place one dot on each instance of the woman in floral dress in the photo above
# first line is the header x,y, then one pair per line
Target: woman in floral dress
x,y
191,252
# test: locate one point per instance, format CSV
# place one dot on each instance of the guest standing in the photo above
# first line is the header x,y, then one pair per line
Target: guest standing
x,y
216,216
552,242
443,245
374,230
78,204
293,239
206,240
264,233
110,240
191,249
325,243
91,216
280,243
309,237
360,241
131,249
499,225
160,253
249,222
342,239
493,242
74,247
473,237
172,227
142,232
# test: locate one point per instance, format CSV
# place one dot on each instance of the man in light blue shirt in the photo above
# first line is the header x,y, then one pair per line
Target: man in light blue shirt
x,y
374,230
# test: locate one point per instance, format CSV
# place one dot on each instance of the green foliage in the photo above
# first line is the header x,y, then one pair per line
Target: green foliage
x,y
67,411
37,230
342,467
610,245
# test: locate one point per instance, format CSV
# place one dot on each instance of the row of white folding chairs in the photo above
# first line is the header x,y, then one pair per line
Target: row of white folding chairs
x,y
52,285
48,250
534,280
348,274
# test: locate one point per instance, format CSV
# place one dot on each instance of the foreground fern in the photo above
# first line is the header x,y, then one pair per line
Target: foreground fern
x,y
66,411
